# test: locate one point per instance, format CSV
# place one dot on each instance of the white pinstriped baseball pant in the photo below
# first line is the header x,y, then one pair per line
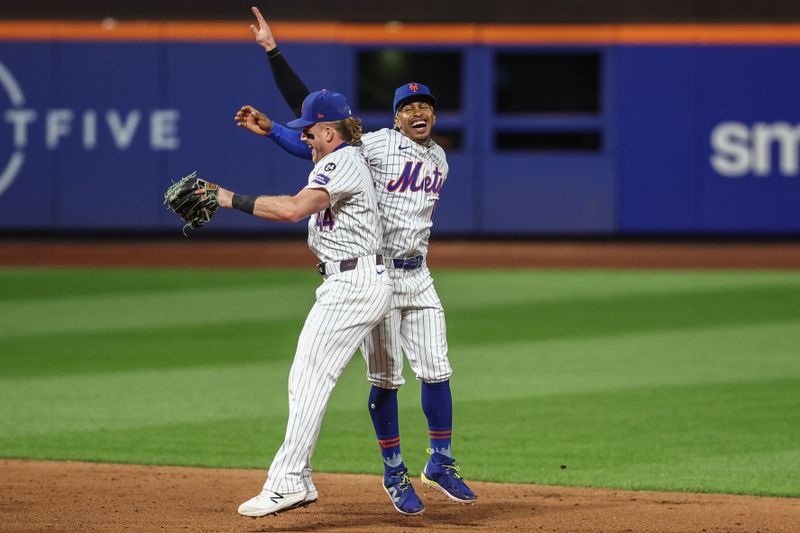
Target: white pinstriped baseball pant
x,y
415,324
348,306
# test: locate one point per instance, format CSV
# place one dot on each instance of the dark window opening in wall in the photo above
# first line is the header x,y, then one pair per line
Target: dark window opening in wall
x,y
380,72
548,83
550,142
447,139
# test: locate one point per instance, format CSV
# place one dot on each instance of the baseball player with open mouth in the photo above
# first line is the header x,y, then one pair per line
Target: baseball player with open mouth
x,y
409,170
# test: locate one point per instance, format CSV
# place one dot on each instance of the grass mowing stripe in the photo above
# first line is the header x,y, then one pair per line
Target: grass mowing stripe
x,y
541,368
484,286
187,346
48,283
134,399
153,310
468,289
624,315
229,442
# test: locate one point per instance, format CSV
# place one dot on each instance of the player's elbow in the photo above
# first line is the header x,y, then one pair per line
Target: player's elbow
x,y
294,218
305,203
293,213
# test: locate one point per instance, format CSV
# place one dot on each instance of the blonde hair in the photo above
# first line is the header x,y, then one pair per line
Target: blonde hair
x,y
349,129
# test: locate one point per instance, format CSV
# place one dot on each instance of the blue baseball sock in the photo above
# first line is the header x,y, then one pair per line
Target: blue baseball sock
x,y
385,420
438,407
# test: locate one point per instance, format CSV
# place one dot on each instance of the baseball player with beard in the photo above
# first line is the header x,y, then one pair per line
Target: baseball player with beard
x,y
409,170
344,232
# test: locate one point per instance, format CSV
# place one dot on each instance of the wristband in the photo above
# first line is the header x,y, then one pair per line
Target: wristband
x,y
244,202
273,53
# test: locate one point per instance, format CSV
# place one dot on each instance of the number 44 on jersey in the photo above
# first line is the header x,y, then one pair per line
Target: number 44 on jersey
x,y
325,220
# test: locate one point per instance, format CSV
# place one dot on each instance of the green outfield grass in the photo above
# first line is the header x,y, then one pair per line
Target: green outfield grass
x,y
632,379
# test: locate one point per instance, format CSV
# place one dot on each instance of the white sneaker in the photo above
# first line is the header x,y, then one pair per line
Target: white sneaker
x,y
271,502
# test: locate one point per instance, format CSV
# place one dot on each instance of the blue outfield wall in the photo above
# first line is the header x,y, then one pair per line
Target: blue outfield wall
x,y
707,139
696,139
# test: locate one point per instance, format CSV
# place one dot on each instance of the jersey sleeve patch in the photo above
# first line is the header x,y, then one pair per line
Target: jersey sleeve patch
x,y
321,179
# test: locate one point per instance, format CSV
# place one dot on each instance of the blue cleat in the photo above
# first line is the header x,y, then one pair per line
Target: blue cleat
x,y
441,473
398,487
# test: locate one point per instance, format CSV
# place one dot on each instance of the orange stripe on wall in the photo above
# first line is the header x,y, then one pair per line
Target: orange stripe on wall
x,y
391,33
547,34
76,31
710,34
398,33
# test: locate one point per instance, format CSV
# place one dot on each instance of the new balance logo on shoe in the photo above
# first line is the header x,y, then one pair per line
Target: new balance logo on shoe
x,y
269,502
401,492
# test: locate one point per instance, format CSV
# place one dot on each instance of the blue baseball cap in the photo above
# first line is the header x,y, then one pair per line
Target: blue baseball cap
x,y
412,91
321,106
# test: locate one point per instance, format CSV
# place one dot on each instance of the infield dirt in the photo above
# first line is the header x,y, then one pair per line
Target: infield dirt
x,y
69,496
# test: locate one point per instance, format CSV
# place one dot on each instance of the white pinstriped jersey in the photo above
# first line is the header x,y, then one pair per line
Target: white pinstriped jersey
x,y
408,179
351,227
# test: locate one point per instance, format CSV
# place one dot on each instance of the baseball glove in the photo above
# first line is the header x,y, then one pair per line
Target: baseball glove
x,y
195,209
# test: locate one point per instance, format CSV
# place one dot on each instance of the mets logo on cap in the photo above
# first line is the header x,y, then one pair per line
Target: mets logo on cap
x,y
412,91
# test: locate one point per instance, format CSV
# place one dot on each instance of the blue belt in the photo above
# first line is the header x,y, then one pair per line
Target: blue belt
x,y
409,263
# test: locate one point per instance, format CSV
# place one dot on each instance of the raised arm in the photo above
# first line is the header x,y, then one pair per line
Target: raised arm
x,y
252,119
289,83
